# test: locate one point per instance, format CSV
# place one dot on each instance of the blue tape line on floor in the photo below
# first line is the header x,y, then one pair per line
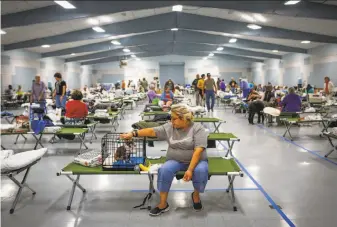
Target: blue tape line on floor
x,y
207,190
293,143
270,200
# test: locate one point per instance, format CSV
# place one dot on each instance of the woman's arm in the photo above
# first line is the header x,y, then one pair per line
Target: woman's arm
x,y
146,132
194,162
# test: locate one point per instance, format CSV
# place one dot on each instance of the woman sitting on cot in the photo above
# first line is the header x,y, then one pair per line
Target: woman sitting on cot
x,y
292,102
167,97
187,142
76,110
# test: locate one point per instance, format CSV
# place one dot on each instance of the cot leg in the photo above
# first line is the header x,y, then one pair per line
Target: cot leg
x,y
334,147
231,189
230,147
17,137
288,126
72,192
81,137
325,127
93,133
148,197
38,141
21,186
23,136
216,126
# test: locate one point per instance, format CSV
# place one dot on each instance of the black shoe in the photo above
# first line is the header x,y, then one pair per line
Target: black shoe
x,y
196,206
157,211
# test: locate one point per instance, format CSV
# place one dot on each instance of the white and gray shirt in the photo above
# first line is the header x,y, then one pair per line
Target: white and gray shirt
x,y
183,142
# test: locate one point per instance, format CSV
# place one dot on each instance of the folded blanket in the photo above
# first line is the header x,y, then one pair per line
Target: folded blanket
x,y
91,158
144,124
52,129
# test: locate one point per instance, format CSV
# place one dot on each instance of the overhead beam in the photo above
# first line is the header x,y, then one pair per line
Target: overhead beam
x,y
169,20
163,47
226,50
86,9
137,40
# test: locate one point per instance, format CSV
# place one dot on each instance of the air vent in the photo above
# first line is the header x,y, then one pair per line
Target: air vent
x,y
5,60
42,65
307,61
192,70
151,71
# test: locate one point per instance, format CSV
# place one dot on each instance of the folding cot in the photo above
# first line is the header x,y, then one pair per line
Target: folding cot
x,y
13,164
216,122
91,126
330,136
152,114
77,132
113,118
218,166
19,133
289,122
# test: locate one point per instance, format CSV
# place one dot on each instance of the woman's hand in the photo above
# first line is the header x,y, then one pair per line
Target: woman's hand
x,y
188,175
127,136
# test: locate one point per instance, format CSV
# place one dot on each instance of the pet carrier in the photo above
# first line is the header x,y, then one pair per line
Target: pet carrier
x,y
123,155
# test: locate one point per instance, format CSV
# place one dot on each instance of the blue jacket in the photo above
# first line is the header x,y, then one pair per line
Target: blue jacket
x,y
163,96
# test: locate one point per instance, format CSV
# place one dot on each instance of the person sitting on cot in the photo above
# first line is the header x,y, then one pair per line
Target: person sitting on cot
x,y
75,108
167,96
292,102
186,152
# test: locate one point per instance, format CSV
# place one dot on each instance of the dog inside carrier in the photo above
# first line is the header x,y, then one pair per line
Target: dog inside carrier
x,y
123,155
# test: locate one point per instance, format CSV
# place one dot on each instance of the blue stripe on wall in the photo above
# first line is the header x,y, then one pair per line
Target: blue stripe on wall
x,y
272,76
174,72
322,70
291,75
111,78
24,76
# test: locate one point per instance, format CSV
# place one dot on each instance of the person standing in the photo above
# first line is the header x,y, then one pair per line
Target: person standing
x,y
145,84
218,84
123,85
201,90
196,90
210,91
38,90
232,85
60,91
328,87
244,86
222,85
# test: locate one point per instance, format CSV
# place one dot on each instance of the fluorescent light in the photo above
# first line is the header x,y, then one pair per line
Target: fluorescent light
x,y
232,40
133,55
65,4
138,59
177,8
247,17
174,29
219,48
105,19
126,50
254,26
73,54
292,2
93,21
305,41
115,42
98,29
275,51
205,58
45,46
211,55
260,18
2,32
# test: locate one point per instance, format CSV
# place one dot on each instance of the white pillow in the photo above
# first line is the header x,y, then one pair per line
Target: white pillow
x,y
20,160
272,111
6,154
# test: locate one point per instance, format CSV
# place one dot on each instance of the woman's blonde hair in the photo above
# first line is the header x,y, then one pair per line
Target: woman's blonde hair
x,y
183,112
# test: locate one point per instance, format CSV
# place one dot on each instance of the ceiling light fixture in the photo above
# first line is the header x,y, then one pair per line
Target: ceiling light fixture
x,y
98,29
45,46
254,26
248,17
177,8
275,51
138,59
305,41
232,40
219,48
65,4
93,21
2,32
292,2
205,58
126,50
211,55
260,18
174,29
105,19
115,42
73,54
133,55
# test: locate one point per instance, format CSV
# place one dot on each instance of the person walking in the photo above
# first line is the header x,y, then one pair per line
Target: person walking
x,y
60,91
210,91
145,84
328,87
201,90
196,90
38,91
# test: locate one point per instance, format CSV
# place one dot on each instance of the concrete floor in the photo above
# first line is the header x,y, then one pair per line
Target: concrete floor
x,y
292,175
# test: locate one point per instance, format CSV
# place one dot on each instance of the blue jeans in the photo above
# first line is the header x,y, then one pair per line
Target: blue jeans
x,y
60,103
210,95
168,170
233,90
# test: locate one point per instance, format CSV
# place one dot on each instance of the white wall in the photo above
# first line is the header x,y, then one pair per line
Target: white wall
x,y
21,61
312,67
149,67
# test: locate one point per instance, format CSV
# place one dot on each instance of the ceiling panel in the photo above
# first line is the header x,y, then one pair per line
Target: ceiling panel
x,y
17,6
